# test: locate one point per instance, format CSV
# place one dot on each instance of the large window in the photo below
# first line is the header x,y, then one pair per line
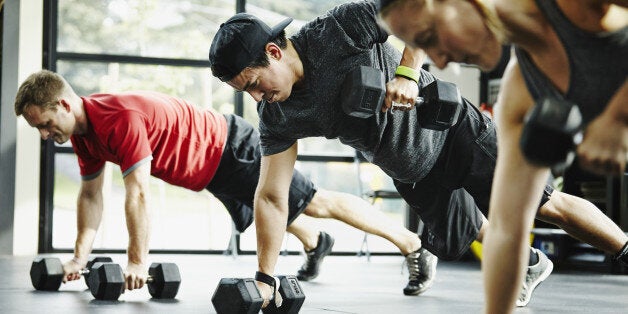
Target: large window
x,y
108,46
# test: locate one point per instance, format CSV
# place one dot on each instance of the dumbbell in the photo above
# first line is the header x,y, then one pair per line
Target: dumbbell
x,y
552,130
363,91
241,296
91,262
107,281
47,273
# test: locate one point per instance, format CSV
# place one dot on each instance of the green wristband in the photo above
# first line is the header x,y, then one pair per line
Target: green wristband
x,y
408,73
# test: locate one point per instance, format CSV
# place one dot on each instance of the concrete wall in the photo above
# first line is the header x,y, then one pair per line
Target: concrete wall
x,y
22,55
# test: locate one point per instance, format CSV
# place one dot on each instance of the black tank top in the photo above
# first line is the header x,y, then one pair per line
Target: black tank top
x,y
598,63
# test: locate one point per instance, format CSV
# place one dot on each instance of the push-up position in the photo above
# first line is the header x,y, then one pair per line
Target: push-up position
x,y
148,133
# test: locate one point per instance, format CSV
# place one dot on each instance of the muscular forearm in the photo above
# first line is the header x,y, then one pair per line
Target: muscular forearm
x,y
412,58
618,105
138,226
270,221
89,215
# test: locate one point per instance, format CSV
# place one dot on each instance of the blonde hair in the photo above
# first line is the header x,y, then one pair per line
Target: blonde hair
x,y
43,89
490,18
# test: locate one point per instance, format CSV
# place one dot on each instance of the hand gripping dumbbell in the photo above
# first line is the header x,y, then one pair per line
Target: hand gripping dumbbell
x,y
363,91
107,281
241,296
552,130
47,273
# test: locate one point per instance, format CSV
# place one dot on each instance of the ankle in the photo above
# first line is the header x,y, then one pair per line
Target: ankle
x,y
622,255
413,246
313,243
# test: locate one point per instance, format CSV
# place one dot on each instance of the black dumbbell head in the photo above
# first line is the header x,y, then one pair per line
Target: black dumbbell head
x,y
106,281
47,273
442,104
363,92
92,261
292,294
551,132
166,280
237,296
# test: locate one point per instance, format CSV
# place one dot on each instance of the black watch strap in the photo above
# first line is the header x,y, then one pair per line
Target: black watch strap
x,y
267,279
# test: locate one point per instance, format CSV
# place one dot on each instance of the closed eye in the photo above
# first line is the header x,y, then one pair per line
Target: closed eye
x,y
43,126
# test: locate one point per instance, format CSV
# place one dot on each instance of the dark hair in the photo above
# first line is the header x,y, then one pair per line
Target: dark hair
x,y
262,59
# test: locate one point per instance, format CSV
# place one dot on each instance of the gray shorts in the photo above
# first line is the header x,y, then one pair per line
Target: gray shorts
x,y
237,176
452,198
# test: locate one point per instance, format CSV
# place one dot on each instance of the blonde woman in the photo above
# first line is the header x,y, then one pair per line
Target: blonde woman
x,y
574,50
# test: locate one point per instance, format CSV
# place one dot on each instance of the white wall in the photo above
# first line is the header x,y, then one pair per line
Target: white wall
x,y
466,77
26,215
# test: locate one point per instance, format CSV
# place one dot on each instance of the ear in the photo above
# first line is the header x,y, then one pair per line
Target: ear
x,y
274,51
65,105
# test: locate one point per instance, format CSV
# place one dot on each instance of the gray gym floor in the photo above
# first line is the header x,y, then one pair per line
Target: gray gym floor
x,y
347,284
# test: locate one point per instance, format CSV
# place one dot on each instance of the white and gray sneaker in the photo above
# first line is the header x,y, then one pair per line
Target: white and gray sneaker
x,y
535,274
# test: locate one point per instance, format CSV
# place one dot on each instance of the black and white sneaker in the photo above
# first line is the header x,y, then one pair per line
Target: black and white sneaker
x,y
422,270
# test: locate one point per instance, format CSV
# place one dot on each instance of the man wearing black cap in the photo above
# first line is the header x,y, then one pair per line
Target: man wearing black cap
x,y
446,176
149,133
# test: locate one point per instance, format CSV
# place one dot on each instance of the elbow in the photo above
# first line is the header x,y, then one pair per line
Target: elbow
x,y
271,201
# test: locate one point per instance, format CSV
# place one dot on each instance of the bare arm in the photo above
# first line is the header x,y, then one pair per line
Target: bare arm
x,y
604,149
514,202
271,209
88,216
403,90
136,204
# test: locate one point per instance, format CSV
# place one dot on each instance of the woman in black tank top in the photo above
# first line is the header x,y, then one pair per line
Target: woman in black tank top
x,y
573,49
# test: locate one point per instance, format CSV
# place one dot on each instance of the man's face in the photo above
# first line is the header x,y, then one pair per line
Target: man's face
x,y
55,124
448,31
272,83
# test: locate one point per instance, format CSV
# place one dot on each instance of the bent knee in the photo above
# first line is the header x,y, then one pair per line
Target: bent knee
x,y
321,204
555,210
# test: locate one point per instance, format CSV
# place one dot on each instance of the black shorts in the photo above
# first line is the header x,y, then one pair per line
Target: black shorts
x,y
455,194
237,175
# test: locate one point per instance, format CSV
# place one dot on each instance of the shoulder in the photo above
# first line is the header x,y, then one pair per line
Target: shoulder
x,y
523,22
358,21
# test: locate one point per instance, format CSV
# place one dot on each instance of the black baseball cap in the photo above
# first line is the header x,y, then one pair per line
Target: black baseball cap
x,y
238,42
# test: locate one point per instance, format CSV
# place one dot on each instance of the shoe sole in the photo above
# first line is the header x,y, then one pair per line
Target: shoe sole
x,y
333,241
536,283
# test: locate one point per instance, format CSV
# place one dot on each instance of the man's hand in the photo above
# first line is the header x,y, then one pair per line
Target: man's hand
x,y
401,91
267,292
135,276
604,149
72,268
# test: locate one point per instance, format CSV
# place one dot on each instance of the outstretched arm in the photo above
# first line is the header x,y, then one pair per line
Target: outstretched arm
x,y
136,205
271,210
514,202
89,215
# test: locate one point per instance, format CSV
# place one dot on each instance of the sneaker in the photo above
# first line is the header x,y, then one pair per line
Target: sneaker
x,y
422,269
314,258
535,274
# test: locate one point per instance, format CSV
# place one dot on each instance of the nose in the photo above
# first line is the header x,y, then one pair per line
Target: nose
x,y
44,134
257,95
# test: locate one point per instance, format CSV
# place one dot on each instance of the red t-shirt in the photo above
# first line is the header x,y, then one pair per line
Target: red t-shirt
x,y
184,143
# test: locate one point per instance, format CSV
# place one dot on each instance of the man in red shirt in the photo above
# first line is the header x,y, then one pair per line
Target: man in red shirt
x,y
148,133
